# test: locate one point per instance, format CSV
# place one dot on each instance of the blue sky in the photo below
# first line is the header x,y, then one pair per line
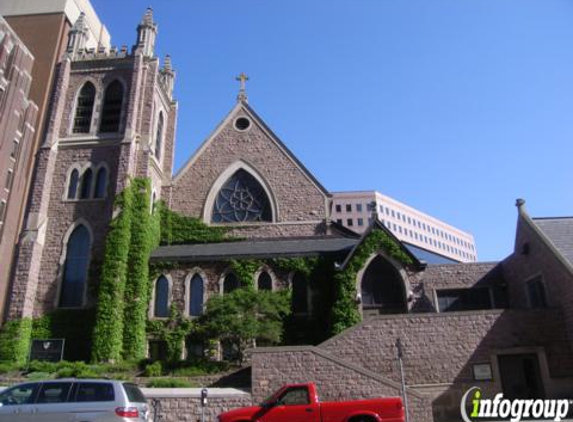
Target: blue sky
x,y
455,107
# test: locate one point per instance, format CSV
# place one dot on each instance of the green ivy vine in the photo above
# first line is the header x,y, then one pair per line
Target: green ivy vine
x,y
345,311
172,331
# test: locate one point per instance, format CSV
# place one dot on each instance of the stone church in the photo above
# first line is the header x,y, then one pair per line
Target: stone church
x,y
504,326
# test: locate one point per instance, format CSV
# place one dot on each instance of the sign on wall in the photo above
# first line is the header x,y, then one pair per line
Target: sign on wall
x,y
50,350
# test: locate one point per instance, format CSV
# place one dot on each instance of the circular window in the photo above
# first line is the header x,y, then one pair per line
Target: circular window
x,y
242,124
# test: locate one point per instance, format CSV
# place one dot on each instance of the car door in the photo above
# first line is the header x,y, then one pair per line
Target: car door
x,y
293,405
16,402
51,402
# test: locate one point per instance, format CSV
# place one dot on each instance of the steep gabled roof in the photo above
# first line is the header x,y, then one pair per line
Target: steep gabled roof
x,y
559,231
244,106
377,225
555,232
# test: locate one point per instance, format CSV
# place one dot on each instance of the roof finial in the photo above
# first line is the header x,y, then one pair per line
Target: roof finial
x,y
242,78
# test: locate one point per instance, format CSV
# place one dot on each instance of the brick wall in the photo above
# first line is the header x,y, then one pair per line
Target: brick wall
x,y
335,378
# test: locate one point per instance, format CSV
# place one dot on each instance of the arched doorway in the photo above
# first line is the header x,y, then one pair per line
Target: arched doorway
x,y
382,288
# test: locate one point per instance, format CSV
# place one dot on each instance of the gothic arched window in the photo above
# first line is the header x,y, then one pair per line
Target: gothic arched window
x,y
111,111
101,181
73,184
159,136
196,295
382,287
75,268
85,191
299,294
84,109
264,282
241,199
230,283
161,304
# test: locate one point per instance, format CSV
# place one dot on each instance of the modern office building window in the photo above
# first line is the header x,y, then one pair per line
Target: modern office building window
x,y
349,222
338,208
359,207
348,207
339,221
360,221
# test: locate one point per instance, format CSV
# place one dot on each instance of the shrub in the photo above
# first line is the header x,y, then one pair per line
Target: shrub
x,y
170,383
153,370
41,366
37,376
7,367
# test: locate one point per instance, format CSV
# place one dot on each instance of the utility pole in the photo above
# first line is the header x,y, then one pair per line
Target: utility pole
x,y
404,395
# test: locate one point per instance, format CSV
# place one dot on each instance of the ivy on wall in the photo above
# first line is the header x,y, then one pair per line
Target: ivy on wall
x,y
345,311
172,331
177,229
15,340
108,331
144,238
245,270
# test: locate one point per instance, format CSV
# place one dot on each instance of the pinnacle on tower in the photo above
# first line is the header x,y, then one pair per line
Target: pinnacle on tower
x,y
167,64
78,36
168,75
146,32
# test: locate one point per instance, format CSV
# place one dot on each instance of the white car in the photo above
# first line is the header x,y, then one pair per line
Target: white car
x,y
78,400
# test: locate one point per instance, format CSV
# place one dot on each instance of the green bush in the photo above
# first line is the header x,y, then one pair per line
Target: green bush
x,y
170,383
7,367
198,367
37,376
41,366
88,373
153,370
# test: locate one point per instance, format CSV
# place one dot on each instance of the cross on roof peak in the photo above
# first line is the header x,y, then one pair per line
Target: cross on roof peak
x,y
242,78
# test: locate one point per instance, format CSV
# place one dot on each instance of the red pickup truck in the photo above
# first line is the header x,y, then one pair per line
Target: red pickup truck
x,y
299,403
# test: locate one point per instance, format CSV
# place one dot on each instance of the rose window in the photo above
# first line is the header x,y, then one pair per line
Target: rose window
x,y
241,199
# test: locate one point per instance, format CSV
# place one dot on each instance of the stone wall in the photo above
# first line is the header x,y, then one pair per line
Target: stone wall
x,y
298,198
440,350
336,379
184,404
540,259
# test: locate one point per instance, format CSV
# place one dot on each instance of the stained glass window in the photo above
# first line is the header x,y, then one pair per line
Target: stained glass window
x,y
161,308
241,199
75,268
73,184
196,296
100,185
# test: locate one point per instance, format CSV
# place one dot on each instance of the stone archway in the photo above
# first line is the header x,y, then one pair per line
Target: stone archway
x,y
382,288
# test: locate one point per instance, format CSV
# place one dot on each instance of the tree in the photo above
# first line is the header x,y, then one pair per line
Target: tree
x,y
245,315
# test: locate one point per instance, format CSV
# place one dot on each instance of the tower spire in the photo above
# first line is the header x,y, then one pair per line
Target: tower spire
x,y
146,32
242,78
78,36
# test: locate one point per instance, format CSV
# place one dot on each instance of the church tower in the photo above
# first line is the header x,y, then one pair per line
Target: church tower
x,y
112,118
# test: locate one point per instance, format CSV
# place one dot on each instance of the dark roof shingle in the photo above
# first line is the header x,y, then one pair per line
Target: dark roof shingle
x,y
560,231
